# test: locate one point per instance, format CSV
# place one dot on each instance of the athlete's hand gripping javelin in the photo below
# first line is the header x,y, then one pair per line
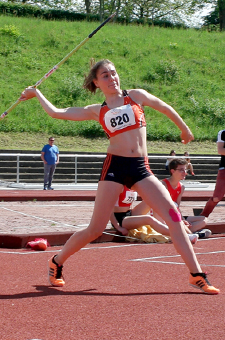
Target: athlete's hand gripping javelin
x,y
28,93
60,63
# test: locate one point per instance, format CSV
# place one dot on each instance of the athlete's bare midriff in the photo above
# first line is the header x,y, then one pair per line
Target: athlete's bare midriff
x,y
129,144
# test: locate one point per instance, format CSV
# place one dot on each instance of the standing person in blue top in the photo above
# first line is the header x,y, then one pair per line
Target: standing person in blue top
x,y
50,157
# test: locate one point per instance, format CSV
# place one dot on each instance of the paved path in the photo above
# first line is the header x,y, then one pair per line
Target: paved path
x,y
29,213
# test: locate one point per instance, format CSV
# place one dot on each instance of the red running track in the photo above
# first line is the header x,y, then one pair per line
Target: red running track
x,y
113,291
81,195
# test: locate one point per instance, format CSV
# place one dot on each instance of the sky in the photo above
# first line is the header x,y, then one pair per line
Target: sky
x,y
195,20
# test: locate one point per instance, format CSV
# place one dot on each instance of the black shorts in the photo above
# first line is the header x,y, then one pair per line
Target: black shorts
x,y
125,170
121,215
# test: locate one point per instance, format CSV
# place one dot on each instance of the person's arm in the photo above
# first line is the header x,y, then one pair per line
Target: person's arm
x,y
187,225
220,148
57,159
43,157
89,112
180,196
146,99
113,220
116,225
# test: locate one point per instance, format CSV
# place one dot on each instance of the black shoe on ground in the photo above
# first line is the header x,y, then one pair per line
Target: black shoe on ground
x,y
204,233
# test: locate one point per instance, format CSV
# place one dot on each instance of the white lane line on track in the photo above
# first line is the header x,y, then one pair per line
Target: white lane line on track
x,y
41,218
107,245
173,256
211,238
202,265
2,204
31,252
78,227
156,259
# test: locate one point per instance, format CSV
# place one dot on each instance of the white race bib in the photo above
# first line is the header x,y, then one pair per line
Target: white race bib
x,y
131,196
119,118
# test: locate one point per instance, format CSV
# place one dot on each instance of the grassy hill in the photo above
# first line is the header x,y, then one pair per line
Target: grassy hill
x,y
185,68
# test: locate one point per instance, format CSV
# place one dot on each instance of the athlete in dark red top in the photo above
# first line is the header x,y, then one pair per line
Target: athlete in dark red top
x,y
219,190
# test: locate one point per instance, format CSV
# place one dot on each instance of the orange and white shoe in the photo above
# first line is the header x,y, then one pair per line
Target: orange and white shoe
x,y
55,273
200,281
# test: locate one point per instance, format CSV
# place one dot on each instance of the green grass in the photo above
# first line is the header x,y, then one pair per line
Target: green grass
x,y
185,68
20,141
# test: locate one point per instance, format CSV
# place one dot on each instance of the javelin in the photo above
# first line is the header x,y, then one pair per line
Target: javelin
x,y
60,63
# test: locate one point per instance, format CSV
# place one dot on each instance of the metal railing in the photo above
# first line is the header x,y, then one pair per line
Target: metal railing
x,y
77,156
72,156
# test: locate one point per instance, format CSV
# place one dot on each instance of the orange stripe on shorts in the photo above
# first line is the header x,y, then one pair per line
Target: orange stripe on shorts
x,y
105,168
147,165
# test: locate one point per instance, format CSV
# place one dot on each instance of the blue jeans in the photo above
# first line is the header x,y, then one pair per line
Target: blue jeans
x,y
48,174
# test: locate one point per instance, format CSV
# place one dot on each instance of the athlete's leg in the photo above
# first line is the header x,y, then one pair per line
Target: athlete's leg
x,y
217,195
140,209
157,222
134,222
157,197
190,167
46,174
122,230
104,204
197,222
140,217
116,221
51,174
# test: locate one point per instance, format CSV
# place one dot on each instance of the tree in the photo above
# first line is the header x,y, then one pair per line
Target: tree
x,y
52,4
217,15
212,18
154,9
88,6
170,10
221,7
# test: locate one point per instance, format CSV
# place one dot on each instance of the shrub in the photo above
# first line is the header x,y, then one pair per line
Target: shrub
x,y
10,30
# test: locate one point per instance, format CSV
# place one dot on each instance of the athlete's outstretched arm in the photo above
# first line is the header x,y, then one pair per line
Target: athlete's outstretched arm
x,y
89,112
146,99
